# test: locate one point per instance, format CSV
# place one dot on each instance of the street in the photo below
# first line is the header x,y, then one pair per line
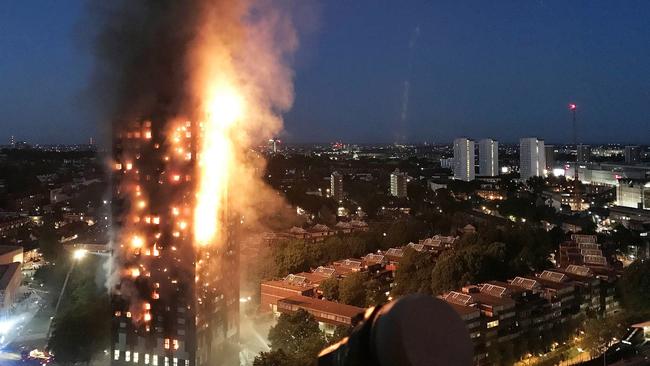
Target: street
x,y
29,324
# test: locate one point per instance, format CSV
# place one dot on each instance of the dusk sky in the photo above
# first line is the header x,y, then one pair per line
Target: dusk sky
x,y
501,69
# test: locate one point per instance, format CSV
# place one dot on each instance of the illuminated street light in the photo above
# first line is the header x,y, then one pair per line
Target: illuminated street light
x,y
79,254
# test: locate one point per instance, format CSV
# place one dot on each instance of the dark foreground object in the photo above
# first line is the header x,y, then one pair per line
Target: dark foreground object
x,y
415,330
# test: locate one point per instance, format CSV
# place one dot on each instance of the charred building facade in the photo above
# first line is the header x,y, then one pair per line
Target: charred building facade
x,y
173,300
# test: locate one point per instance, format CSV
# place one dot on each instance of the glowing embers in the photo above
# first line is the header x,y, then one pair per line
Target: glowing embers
x,y
134,272
155,220
137,242
147,314
225,107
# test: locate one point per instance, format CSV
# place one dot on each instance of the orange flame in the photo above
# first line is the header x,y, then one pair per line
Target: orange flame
x,y
225,107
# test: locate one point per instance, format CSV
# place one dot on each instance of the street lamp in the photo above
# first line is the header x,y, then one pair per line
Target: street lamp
x,y
77,255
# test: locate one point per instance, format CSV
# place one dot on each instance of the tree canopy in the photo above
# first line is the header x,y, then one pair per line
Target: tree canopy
x,y
413,273
298,336
352,289
330,289
81,329
635,288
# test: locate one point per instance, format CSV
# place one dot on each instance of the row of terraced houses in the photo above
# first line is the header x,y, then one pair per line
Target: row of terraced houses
x,y
301,290
498,314
536,308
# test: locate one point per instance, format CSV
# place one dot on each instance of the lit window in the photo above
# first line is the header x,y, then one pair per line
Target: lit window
x,y
127,356
154,360
135,357
492,324
166,343
146,358
175,361
116,354
166,361
175,343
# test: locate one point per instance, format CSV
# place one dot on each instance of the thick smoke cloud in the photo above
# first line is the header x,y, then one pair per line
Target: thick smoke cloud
x,y
158,61
141,57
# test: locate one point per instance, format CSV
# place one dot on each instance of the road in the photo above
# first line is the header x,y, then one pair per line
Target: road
x,y
30,331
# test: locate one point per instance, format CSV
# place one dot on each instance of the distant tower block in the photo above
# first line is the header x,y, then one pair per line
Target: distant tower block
x,y
464,159
336,186
488,155
398,184
532,158
632,154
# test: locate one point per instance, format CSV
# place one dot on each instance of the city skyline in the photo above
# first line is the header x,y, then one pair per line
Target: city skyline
x,y
285,183
439,50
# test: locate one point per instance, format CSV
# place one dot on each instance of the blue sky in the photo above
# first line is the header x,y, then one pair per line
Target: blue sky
x,y
500,69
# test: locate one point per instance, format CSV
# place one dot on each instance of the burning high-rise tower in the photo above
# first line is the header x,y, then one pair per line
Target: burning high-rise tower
x,y
175,303
196,84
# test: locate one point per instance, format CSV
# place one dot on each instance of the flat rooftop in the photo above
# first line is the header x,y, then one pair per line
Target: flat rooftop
x,y
325,306
4,249
7,272
486,299
464,310
288,285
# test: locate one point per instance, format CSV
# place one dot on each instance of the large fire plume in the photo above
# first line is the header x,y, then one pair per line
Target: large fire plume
x,y
195,85
242,82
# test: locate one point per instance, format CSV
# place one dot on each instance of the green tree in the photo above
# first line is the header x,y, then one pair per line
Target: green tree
x,y
401,233
635,288
274,358
448,273
376,292
536,184
81,328
623,236
413,273
599,333
293,256
352,289
473,262
81,333
298,336
330,289
48,241
501,354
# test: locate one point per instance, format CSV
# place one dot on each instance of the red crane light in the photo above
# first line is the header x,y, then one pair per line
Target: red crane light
x,y
572,106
